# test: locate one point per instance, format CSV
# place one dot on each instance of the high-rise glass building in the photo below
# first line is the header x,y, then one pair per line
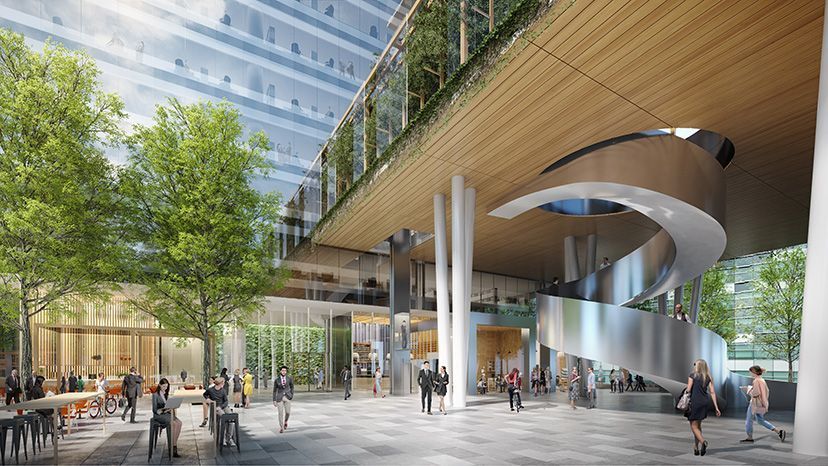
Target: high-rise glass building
x,y
291,67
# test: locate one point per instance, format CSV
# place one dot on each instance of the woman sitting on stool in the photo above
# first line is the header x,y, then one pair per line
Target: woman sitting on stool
x,y
165,416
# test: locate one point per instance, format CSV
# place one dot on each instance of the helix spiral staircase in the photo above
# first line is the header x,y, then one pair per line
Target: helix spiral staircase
x,y
682,189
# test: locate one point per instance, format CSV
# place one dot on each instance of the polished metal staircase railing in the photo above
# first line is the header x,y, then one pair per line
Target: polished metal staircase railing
x,y
679,184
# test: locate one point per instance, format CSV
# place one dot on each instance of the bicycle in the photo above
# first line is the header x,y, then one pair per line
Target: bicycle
x,y
110,404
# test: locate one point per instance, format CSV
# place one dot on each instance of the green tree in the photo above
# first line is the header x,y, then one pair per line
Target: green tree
x,y
59,235
715,309
778,309
204,233
427,48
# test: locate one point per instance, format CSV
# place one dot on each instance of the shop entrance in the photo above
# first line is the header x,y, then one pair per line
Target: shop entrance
x,y
499,349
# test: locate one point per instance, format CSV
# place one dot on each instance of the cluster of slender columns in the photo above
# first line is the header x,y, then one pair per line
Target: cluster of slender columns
x,y
453,328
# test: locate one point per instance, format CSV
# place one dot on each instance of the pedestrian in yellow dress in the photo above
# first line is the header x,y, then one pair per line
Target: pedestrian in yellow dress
x,y
247,391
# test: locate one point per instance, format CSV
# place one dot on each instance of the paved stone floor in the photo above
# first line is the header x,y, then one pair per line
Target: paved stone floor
x,y
633,428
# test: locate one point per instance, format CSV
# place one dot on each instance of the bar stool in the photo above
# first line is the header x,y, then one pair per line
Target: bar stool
x,y
155,431
32,427
225,421
47,427
16,426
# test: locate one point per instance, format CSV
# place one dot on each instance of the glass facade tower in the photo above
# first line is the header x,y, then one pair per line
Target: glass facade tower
x,y
291,67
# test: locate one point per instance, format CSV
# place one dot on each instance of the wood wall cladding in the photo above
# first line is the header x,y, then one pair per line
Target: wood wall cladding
x,y
600,69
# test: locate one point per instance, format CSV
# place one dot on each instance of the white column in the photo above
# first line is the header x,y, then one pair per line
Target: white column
x,y
811,424
571,268
592,248
458,294
441,274
468,235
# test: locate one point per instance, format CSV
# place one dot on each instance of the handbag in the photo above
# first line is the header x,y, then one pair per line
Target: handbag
x,y
683,403
121,402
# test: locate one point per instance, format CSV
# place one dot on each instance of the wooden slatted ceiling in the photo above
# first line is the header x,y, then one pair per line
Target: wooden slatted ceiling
x,y
598,69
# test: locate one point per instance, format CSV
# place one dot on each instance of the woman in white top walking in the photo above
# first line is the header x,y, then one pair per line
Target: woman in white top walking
x,y
378,384
758,406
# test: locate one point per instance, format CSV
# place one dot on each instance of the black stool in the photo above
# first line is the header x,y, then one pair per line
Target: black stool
x,y
32,424
16,426
47,426
155,432
224,423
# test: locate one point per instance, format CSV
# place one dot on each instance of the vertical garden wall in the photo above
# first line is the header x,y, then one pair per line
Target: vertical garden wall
x,y
302,349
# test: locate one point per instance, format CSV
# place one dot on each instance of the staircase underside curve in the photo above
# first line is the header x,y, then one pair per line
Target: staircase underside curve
x,y
679,184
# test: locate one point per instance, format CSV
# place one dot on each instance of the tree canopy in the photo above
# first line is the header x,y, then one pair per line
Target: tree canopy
x,y
59,203
205,236
778,307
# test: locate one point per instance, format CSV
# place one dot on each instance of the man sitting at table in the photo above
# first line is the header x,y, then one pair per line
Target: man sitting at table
x,y
217,395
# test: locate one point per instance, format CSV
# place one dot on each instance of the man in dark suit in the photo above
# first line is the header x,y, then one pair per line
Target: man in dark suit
x,y
346,380
13,387
129,389
282,395
425,380
73,382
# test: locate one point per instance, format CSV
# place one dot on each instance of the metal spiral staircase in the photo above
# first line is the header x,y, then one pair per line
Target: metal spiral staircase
x,y
679,183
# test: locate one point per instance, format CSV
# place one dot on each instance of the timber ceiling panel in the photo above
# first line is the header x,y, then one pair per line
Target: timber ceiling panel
x,y
747,69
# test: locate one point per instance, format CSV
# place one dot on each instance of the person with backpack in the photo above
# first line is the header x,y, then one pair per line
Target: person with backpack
x,y
758,405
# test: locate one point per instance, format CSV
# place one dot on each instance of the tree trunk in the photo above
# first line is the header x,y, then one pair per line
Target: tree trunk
x,y
790,369
25,338
205,365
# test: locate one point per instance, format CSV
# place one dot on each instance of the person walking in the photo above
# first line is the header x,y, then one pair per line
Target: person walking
x,y
73,382
574,387
378,383
621,380
282,396
183,375
702,392
64,384
591,387
13,389
129,389
346,381
535,381
629,382
514,383
237,389
441,387
165,416
758,405
613,381
226,377
425,379
679,314
320,379
247,387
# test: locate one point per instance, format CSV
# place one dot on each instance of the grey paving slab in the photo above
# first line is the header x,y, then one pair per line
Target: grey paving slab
x,y
626,429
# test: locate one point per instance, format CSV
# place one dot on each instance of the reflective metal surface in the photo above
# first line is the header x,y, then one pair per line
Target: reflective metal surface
x,y
679,184
682,189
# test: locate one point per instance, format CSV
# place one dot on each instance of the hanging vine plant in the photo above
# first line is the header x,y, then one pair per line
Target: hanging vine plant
x,y
370,132
341,157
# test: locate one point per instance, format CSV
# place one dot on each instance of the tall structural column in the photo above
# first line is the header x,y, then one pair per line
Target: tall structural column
x,y
591,250
811,424
695,298
468,251
400,308
571,268
662,304
460,320
678,297
441,275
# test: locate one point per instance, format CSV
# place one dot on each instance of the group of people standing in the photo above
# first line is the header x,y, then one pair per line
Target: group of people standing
x,y
622,380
